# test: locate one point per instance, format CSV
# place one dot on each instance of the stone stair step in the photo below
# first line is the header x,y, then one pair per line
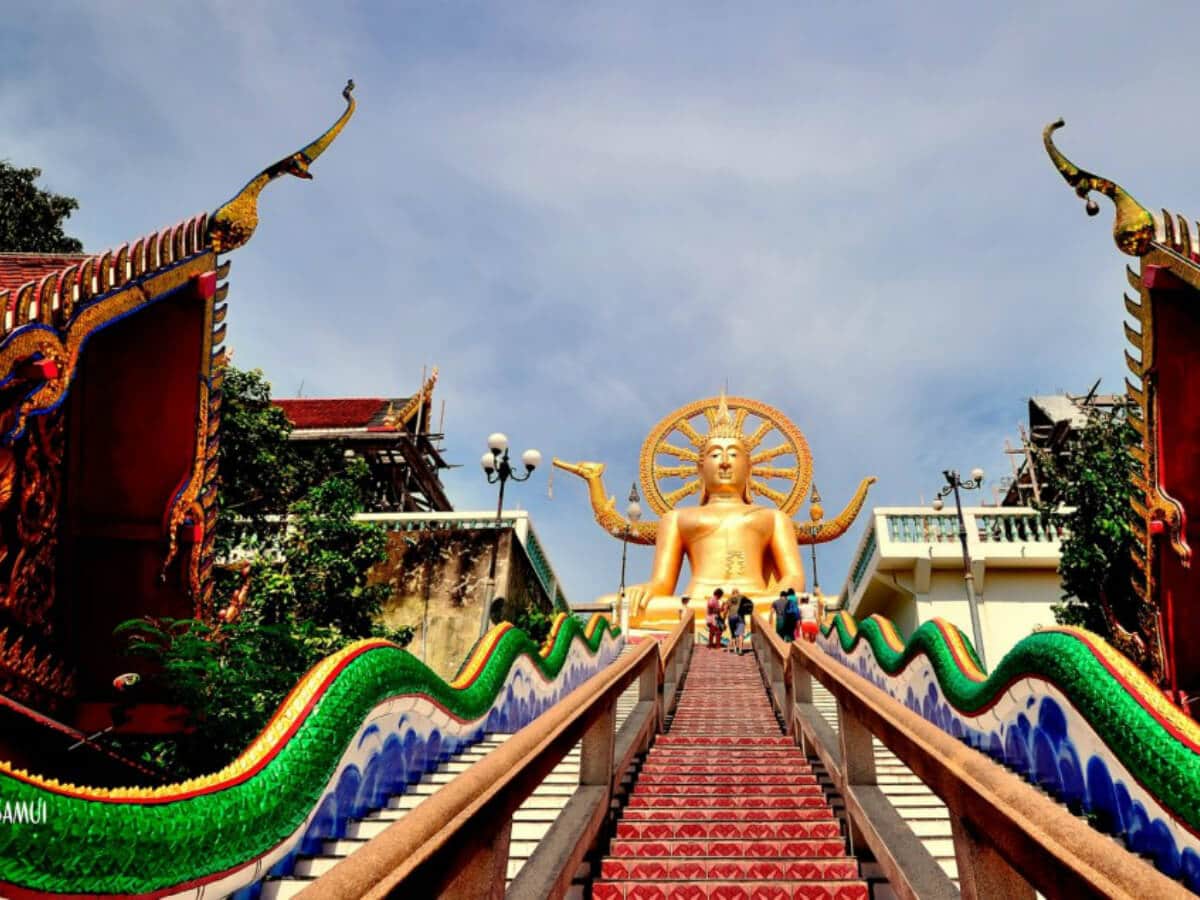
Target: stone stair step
x,y
724,814
315,866
656,868
761,789
681,801
675,740
677,831
750,782
284,888
808,890
736,847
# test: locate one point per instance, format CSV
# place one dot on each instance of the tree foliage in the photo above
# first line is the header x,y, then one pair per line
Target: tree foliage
x,y
31,219
230,679
290,518
535,622
260,474
1092,477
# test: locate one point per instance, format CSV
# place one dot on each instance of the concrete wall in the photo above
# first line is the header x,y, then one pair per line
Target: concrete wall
x,y
1013,602
439,584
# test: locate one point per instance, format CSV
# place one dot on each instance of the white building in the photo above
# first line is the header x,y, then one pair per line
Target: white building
x,y
909,568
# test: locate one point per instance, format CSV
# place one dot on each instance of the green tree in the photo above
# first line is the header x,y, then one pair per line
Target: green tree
x,y
534,622
230,679
316,570
260,473
291,518
1093,478
31,219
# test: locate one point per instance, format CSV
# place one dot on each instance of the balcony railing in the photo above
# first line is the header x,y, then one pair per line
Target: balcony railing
x,y
999,527
864,559
1018,529
900,535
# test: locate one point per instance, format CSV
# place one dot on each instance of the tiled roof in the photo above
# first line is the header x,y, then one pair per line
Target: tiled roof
x,y
382,413
17,269
342,412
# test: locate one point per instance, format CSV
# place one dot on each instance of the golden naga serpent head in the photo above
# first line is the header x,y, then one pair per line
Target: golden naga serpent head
x,y
233,224
676,436
1133,229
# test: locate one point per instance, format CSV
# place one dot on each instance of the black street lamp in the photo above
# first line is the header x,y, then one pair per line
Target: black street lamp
x,y
953,483
633,512
815,513
497,468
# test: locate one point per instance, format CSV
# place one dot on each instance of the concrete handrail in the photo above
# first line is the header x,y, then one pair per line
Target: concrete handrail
x,y
675,652
772,652
455,843
1009,838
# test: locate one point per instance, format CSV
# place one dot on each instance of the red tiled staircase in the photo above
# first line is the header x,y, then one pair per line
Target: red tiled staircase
x,y
725,806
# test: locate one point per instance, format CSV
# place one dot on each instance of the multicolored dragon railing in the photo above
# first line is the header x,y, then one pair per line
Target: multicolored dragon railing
x,y
1063,709
361,725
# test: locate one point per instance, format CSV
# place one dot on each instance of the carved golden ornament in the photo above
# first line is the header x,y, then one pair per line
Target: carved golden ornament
x,y
185,505
604,507
31,581
234,223
395,419
8,472
726,417
820,531
1151,504
55,299
1133,229
65,347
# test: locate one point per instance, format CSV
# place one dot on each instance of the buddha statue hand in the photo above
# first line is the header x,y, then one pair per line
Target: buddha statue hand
x,y
637,596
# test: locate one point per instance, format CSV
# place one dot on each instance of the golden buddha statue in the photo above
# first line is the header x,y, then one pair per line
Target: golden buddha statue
x,y
728,540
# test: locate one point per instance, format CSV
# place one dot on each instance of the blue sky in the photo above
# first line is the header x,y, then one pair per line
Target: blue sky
x,y
588,215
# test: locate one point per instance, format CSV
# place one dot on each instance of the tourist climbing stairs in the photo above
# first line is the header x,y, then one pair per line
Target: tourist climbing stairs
x,y
725,805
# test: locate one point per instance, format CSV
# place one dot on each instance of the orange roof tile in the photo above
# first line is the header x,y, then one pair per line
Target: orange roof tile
x,y
342,412
17,269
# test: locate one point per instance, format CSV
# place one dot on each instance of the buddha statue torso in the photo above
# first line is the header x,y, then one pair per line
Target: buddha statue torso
x,y
728,541
724,544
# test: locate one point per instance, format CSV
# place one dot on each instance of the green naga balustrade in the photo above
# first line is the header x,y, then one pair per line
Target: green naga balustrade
x,y
1065,710
358,727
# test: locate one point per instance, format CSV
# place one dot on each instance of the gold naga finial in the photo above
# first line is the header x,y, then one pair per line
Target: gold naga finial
x,y
233,224
1133,229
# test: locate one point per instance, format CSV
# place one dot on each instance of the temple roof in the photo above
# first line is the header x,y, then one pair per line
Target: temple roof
x,y
341,412
17,269
357,413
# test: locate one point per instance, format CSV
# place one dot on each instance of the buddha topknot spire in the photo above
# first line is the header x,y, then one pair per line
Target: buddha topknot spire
x,y
723,425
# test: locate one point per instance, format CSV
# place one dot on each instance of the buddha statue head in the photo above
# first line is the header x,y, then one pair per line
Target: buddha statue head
x,y
724,463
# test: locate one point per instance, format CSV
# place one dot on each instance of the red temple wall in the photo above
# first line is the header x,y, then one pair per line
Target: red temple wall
x,y
131,439
1177,335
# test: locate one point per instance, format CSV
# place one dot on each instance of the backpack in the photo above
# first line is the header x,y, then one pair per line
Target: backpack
x,y
746,608
791,612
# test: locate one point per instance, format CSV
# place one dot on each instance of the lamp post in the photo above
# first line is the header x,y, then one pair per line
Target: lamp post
x,y
497,468
953,484
633,512
815,513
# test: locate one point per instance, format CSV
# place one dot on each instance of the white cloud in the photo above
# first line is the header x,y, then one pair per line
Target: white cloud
x,y
588,216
